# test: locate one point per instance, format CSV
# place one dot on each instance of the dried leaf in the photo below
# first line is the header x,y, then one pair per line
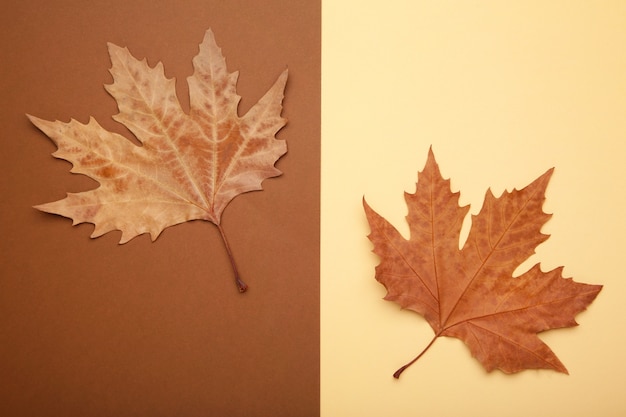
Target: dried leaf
x,y
190,166
470,293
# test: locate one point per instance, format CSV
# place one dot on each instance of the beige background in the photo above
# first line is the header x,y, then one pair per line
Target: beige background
x,y
503,90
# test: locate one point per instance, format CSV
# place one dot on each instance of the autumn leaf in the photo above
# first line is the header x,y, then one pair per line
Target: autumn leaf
x,y
189,166
471,293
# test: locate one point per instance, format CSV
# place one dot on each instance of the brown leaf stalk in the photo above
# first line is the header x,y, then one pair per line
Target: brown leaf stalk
x,y
397,374
241,285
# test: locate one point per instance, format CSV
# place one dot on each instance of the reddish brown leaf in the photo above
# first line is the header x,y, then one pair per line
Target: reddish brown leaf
x,y
470,293
190,166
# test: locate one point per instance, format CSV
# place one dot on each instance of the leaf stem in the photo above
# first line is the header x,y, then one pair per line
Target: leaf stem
x,y
399,371
241,286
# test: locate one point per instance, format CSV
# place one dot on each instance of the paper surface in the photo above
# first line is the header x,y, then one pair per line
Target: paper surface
x,y
503,91
90,327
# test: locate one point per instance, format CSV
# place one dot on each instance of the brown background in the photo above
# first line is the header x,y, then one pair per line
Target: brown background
x,y
92,328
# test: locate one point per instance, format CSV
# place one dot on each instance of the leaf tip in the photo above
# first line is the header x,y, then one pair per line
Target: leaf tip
x,y
545,177
368,209
209,45
559,367
209,34
281,81
36,120
113,48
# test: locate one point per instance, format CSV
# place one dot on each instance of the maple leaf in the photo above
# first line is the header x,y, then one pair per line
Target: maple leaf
x,y
471,293
189,166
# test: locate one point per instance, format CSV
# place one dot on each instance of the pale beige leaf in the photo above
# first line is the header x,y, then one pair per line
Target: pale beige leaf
x,y
189,166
